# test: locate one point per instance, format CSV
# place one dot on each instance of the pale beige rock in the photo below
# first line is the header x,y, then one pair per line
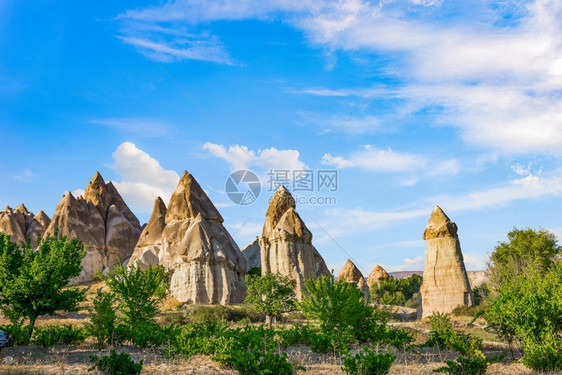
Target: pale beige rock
x,y
477,278
102,221
188,239
252,253
190,200
286,243
376,276
22,225
351,274
321,267
147,249
445,282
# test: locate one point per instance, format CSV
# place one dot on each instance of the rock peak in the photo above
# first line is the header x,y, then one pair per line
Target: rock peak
x,y
377,274
189,200
439,225
280,203
21,208
350,272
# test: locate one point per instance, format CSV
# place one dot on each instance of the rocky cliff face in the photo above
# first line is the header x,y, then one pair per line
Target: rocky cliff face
x,y
188,239
23,225
376,276
102,221
252,253
351,274
286,243
445,282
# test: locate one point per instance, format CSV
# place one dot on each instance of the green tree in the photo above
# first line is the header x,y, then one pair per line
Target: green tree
x,y
339,306
528,310
138,292
271,294
525,249
34,283
102,321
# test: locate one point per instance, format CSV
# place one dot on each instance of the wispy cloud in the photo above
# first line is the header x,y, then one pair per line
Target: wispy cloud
x,y
144,126
388,161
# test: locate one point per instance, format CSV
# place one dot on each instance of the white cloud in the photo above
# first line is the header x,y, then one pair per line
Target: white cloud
x,y
415,264
240,157
377,160
78,192
142,178
180,49
388,161
25,175
144,126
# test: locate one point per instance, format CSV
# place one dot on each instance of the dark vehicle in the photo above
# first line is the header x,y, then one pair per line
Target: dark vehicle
x,y
5,340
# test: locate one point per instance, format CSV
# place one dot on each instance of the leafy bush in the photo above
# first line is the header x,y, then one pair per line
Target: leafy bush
x,y
545,355
19,333
465,366
402,292
250,350
138,292
202,313
150,335
102,321
341,308
443,335
116,364
480,293
57,334
368,362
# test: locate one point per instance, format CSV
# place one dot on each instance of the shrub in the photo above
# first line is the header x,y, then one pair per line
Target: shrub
x,y
392,291
465,366
545,355
102,321
368,362
116,364
443,335
480,293
56,334
250,350
340,307
153,335
19,333
138,292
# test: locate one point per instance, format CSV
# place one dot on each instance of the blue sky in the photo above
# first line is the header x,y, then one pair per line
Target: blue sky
x,y
414,103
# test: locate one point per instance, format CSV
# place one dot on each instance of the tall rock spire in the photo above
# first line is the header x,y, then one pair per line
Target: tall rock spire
x,y
286,242
445,282
351,274
188,239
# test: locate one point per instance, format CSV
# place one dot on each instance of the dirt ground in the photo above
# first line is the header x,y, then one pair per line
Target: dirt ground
x,y
63,359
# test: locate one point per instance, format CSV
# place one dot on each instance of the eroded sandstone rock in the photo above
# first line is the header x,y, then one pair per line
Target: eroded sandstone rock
x,y
445,282
351,274
376,276
286,243
188,239
22,225
102,221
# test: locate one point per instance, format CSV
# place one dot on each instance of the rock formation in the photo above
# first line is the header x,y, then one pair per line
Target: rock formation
x,y
286,243
351,274
376,276
147,249
188,239
445,282
252,253
102,221
22,225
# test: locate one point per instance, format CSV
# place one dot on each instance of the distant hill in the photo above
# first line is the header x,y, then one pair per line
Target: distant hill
x,y
404,274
